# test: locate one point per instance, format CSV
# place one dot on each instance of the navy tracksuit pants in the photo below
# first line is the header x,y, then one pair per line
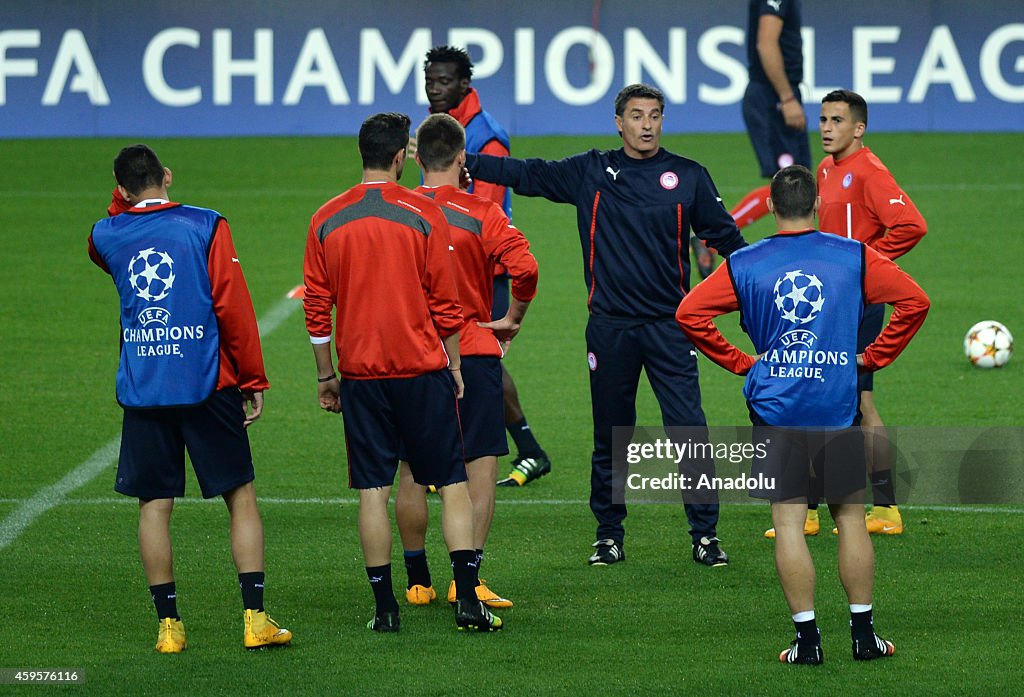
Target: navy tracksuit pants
x,y
617,350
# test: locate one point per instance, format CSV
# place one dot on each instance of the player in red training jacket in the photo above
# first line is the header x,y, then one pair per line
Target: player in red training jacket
x,y
382,256
482,236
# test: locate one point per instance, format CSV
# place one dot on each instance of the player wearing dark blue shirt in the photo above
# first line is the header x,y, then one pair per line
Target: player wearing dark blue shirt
x,y
635,209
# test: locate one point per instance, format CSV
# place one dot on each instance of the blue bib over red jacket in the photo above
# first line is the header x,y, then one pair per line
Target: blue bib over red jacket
x,y
169,338
801,298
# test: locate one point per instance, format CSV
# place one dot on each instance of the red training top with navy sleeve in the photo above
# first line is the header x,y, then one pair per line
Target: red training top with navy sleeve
x,y
381,255
483,236
884,282
861,200
241,356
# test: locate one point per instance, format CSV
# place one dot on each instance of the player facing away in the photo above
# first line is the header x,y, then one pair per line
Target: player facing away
x,y
807,289
397,343
448,75
772,109
636,207
191,377
482,236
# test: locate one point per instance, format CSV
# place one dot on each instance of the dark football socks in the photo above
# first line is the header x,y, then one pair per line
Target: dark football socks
x,y
380,582
251,583
165,598
882,489
526,444
416,568
464,569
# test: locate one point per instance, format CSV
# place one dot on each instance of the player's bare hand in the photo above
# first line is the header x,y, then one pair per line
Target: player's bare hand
x,y
410,149
505,329
860,360
329,394
465,181
252,403
460,387
793,114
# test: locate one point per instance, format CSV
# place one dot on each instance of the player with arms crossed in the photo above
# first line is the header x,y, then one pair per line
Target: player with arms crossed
x,y
397,342
483,237
177,272
448,75
801,294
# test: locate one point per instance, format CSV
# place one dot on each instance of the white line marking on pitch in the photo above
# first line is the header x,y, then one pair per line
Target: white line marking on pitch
x,y
54,495
340,501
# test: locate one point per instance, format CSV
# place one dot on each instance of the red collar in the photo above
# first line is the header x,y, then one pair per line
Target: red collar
x,y
467,108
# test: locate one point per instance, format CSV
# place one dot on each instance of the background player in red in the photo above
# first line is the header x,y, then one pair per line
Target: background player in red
x,y
381,255
199,391
482,236
806,423
861,199
448,73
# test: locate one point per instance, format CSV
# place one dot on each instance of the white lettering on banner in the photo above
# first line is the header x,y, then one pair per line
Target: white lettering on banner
x,y
260,66
316,67
710,55
74,53
492,51
640,56
941,63
866,66
374,57
315,64
602,59
525,65
153,67
17,67
991,53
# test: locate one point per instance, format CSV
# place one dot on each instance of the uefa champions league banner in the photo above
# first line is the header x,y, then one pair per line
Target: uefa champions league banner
x,y
186,68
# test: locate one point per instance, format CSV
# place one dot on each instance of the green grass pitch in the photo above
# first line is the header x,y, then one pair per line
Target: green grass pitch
x,y
72,591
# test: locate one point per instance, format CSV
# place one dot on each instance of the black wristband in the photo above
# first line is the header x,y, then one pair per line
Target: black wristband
x,y
330,377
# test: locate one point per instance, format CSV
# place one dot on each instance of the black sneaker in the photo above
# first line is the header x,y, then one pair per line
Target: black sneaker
x,y
385,622
807,654
871,647
474,615
707,552
527,469
608,552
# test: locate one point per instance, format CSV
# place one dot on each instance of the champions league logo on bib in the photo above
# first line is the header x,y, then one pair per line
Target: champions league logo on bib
x,y
798,296
151,274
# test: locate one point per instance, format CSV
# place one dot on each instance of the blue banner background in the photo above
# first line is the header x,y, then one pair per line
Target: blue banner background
x,y
48,84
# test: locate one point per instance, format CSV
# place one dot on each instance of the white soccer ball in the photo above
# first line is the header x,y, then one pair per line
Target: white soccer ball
x,y
988,344
151,274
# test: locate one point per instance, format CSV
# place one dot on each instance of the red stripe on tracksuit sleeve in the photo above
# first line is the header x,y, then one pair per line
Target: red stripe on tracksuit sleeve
x,y
593,226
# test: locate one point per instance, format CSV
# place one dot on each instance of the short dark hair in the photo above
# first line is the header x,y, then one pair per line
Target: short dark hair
x,y
381,136
451,54
858,107
793,191
637,91
438,142
137,168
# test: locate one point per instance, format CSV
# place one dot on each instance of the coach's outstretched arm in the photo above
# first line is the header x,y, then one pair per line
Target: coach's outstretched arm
x,y
555,180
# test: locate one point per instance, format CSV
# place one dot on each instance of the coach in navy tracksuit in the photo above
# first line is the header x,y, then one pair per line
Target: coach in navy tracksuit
x,y
635,208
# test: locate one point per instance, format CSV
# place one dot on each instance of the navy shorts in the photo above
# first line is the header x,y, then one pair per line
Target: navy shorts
x,y
416,418
499,305
482,408
869,329
775,144
154,441
809,463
